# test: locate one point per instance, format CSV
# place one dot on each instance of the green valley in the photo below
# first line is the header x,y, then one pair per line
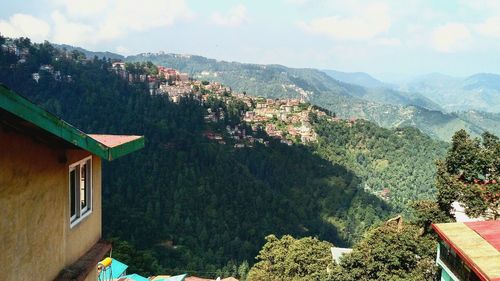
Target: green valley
x,y
194,205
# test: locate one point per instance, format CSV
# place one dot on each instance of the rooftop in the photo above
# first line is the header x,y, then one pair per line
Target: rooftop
x,y
337,253
477,244
23,115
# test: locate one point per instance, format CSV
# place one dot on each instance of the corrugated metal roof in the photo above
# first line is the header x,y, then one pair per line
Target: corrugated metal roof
x,y
489,230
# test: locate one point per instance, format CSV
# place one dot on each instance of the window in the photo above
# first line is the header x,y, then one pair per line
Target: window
x,y
80,190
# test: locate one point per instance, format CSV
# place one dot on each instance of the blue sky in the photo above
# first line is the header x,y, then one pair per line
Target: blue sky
x,y
389,39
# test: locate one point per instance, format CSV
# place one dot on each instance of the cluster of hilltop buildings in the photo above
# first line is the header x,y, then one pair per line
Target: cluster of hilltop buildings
x,y
293,118
48,70
45,70
10,47
167,81
288,118
284,119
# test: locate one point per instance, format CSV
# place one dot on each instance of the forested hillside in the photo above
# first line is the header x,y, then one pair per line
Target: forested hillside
x,y
396,164
192,205
195,204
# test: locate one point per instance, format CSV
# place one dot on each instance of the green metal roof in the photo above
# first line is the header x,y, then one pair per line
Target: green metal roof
x,y
108,147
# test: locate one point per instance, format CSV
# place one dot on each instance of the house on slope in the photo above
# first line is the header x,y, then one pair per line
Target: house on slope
x,y
337,253
469,251
50,193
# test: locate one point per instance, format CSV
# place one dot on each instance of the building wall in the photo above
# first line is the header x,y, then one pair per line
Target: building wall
x,y
36,241
92,276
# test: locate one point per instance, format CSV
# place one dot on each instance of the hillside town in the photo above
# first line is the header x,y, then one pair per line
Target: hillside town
x,y
287,120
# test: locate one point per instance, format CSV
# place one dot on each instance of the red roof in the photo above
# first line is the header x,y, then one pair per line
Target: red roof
x,y
113,140
489,230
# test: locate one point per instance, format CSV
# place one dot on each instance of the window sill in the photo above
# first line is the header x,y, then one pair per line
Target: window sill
x,y
77,221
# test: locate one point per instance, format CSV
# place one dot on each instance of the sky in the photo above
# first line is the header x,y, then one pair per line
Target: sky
x,y
390,39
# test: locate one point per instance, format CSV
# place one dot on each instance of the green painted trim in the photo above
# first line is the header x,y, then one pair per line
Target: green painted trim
x,y
448,274
126,148
23,108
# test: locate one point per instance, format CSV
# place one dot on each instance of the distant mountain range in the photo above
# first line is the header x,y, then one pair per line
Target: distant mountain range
x,y
378,91
279,81
384,106
477,92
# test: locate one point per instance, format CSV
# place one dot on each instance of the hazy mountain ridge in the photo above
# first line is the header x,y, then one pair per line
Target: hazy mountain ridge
x,y
480,91
276,81
90,54
378,91
358,78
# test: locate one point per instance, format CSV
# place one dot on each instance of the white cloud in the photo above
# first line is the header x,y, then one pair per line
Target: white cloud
x,y
481,5
67,32
371,21
22,25
93,21
388,41
490,27
122,50
78,9
450,37
235,17
296,2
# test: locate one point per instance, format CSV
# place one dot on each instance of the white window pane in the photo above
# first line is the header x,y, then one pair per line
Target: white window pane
x,y
83,187
72,193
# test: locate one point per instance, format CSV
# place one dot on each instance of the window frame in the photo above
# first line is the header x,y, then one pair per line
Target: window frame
x,y
80,213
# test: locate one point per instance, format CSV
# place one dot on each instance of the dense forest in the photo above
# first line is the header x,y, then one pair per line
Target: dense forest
x,y
397,164
186,204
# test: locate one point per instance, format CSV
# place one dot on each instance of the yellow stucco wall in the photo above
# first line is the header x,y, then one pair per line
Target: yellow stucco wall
x,y
36,241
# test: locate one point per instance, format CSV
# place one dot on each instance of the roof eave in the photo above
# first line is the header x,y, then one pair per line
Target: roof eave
x,y
23,108
126,148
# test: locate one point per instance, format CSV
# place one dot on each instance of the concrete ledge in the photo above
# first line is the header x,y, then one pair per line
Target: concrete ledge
x,y
79,270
